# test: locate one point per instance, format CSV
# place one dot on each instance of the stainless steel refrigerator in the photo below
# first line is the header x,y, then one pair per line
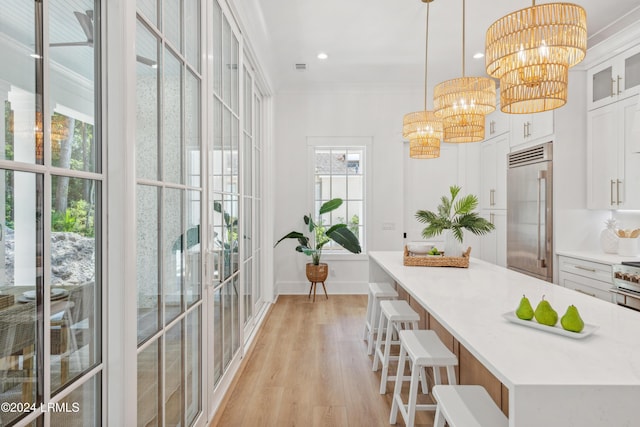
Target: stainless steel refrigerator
x,y
530,211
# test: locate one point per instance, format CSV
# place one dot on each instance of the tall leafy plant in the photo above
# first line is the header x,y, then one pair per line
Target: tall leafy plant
x,y
320,235
454,215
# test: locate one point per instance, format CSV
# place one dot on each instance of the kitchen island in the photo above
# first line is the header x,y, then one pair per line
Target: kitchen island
x,y
547,379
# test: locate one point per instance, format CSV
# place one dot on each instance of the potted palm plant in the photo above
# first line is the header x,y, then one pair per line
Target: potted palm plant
x,y
454,216
320,236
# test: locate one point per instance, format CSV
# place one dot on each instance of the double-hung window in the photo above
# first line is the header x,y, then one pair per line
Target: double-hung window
x,y
340,169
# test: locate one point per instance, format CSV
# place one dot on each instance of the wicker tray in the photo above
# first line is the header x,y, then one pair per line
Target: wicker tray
x,y
437,261
6,301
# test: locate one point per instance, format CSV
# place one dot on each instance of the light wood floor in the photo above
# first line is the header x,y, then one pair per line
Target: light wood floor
x,y
309,367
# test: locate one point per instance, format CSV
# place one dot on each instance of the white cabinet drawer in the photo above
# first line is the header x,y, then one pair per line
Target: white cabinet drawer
x,y
590,269
585,285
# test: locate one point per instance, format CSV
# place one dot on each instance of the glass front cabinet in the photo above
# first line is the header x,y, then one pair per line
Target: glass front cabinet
x,y
614,79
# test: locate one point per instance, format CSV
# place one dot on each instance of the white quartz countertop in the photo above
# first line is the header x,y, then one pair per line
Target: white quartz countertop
x,y
470,303
596,256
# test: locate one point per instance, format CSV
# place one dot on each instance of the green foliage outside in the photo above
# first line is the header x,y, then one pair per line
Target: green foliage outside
x,y
8,154
78,218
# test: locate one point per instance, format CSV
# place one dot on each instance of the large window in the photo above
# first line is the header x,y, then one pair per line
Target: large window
x,y
340,172
50,212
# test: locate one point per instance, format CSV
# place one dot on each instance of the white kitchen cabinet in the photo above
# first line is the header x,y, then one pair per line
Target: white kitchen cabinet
x,y
614,79
493,246
613,168
496,123
526,128
587,277
493,177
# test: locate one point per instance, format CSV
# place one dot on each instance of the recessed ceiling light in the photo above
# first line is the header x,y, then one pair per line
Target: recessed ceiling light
x,y
322,55
478,55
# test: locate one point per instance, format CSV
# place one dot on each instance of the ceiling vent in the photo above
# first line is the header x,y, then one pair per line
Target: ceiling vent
x,y
301,67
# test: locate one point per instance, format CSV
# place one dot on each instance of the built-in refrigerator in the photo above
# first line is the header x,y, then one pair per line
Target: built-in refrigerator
x,y
530,211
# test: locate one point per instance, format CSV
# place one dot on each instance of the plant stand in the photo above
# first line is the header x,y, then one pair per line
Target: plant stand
x,y
317,274
313,287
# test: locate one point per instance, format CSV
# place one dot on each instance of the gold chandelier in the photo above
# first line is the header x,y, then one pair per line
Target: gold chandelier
x,y
463,102
531,51
59,127
422,128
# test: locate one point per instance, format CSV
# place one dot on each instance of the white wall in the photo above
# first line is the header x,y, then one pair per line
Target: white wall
x,y
375,113
576,227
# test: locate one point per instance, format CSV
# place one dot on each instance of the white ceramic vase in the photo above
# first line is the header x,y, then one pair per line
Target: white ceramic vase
x,y
608,238
452,247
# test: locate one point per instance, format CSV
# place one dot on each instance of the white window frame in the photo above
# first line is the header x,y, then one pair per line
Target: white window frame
x,y
364,143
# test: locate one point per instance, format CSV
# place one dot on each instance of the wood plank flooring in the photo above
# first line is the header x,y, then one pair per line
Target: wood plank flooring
x,y
309,367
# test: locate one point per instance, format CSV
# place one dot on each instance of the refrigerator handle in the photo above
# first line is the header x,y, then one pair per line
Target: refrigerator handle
x,y
541,261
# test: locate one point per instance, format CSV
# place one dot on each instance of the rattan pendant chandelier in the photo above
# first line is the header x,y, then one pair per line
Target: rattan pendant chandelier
x,y
422,128
531,51
463,102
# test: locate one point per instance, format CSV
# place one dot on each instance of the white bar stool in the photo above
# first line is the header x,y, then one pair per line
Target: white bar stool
x,y
395,315
424,349
466,405
377,292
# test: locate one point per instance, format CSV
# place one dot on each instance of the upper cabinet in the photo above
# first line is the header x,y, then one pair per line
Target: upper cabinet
x,y
613,166
528,128
496,123
614,79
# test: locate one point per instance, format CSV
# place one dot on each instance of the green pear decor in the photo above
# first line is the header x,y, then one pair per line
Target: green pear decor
x,y
571,321
545,314
454,215
524,310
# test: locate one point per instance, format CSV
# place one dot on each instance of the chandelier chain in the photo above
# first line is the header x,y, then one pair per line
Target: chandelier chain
x,y
426,55
463,34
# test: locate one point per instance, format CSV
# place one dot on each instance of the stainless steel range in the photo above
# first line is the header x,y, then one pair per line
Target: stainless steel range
x,y
626,284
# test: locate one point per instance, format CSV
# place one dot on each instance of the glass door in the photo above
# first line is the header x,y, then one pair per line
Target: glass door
x,y
224,198
169,211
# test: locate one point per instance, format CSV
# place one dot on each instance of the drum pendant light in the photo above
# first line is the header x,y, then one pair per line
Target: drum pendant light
x,y
531,51
462,103
422,128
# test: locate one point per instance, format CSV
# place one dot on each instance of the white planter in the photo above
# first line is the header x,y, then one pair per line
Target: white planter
x,y
452,247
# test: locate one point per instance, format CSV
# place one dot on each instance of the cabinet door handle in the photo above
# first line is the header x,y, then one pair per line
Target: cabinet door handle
x,y
579,267
491,218
618,84
524,130
611,191
492,127
613,92
618,182
586,293
492,200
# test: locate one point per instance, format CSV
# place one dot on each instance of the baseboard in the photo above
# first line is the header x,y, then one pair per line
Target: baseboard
x,y
333,288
